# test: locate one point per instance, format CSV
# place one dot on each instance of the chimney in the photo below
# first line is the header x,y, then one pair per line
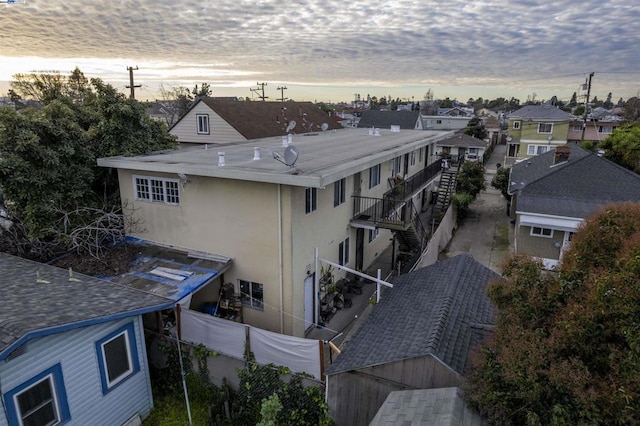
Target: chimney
x,y
561,154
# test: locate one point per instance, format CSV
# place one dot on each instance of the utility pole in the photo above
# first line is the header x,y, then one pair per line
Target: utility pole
x,y
131,85
259,90
586,108
282,89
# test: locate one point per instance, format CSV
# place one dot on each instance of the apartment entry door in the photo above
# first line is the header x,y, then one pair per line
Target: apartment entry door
x,y
308,301
359,248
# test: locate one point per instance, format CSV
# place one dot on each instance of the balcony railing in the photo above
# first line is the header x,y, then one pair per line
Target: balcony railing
x,y
380,211
408,187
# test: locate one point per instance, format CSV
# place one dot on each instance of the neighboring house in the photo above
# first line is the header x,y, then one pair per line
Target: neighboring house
x,y
240,202
406,120
448,119
598,126
461,147
420,336
164,111
534,130
72,347
214,121
493,128
554,192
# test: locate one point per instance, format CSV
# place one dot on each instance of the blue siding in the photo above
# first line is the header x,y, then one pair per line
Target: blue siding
x,y
75,351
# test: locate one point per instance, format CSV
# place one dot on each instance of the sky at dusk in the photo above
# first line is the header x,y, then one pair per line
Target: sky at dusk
x,y
330,50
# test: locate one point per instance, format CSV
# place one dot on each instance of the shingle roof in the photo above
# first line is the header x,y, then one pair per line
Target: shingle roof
x,y
385,119
541,112
463,141
255,120
441,309
579,188
39,299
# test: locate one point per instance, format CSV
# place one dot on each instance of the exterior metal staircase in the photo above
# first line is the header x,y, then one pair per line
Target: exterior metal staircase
x,y
446,188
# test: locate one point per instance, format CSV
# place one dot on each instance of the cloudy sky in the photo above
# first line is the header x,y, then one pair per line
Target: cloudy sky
x,y
329,50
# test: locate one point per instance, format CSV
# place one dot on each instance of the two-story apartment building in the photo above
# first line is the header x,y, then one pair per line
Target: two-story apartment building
x,y
597,127
242,201
534,130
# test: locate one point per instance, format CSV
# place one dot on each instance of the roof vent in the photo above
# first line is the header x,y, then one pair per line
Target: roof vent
x,y
256,153
289,139
221,159
285,140
395,128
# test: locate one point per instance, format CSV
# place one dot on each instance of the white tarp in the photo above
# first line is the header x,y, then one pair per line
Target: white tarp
x,y
220,335
298,354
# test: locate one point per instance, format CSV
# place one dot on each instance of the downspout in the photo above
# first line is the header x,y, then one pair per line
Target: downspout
x,y
280,261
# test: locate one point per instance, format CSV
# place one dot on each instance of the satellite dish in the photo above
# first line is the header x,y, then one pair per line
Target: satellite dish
x,y
291,126
324,127
290,155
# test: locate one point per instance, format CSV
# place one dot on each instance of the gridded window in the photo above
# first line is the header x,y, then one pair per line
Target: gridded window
x,y
339,189
374,176
203,124
117,357
538,149
545,127
516,125
41,400
251,294
343,252
605,129
373,234
576,127
541,232
157,190
311,200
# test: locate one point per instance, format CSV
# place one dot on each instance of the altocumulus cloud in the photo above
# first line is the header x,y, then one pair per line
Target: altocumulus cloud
x,y
323,42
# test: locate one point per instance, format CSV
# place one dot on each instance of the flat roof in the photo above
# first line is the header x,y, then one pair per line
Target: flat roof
x,y
324,157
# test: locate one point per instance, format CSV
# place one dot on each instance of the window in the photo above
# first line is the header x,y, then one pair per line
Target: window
x,y
516,125
395,166
541,232
412,158
421,155
438,121
374,176
576,127
373,234
311,200
605,129
545,127
117,357
538,149
343,252
251,294
41,400
339,192
157,190
203,124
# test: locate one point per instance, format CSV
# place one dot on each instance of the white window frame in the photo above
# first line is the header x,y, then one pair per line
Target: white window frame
x,y
58,400
538,149
249,299
310,200
607,130
339,189
421,155
343,252
127,332
374,176
516,125
412,158
396,166
202,124
538,231
542,130
576,127
373,234
156,190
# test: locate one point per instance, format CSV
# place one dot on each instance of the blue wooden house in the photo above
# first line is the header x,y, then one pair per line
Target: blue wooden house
x,y
72,347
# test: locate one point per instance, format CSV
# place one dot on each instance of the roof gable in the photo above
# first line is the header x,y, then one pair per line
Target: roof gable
x,y
464,141
541,112
385,119
40,299
441,309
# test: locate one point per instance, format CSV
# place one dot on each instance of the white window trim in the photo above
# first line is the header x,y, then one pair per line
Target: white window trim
x,y
516,125
374,178
149,192
531,233
339,192
603,130
312,195
249,297
534,148
54,397
375,233
412,158
202,124
126,333
545,133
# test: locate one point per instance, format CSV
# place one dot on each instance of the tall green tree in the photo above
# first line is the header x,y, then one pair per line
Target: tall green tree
x,y
566,349
475,127
500,181
623,146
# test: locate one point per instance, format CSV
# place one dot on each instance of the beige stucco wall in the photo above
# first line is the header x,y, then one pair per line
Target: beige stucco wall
x,y
186,130
538,246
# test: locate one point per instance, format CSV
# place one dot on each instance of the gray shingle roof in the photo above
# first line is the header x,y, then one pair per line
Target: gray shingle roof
x,y
441,309
463,141
40,299
541,112
576,188
385,119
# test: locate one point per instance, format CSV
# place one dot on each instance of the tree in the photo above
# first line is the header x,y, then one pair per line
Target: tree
x,y
623,146
469,182
203,91
632,109
475,128
566,349
44,87
501,181
176,100
48,155
574,100
608,104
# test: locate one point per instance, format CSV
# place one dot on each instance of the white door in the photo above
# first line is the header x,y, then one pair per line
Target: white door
x,y
308,301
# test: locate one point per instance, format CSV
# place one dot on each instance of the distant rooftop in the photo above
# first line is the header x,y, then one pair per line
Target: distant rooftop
x,y
324,157
541,112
